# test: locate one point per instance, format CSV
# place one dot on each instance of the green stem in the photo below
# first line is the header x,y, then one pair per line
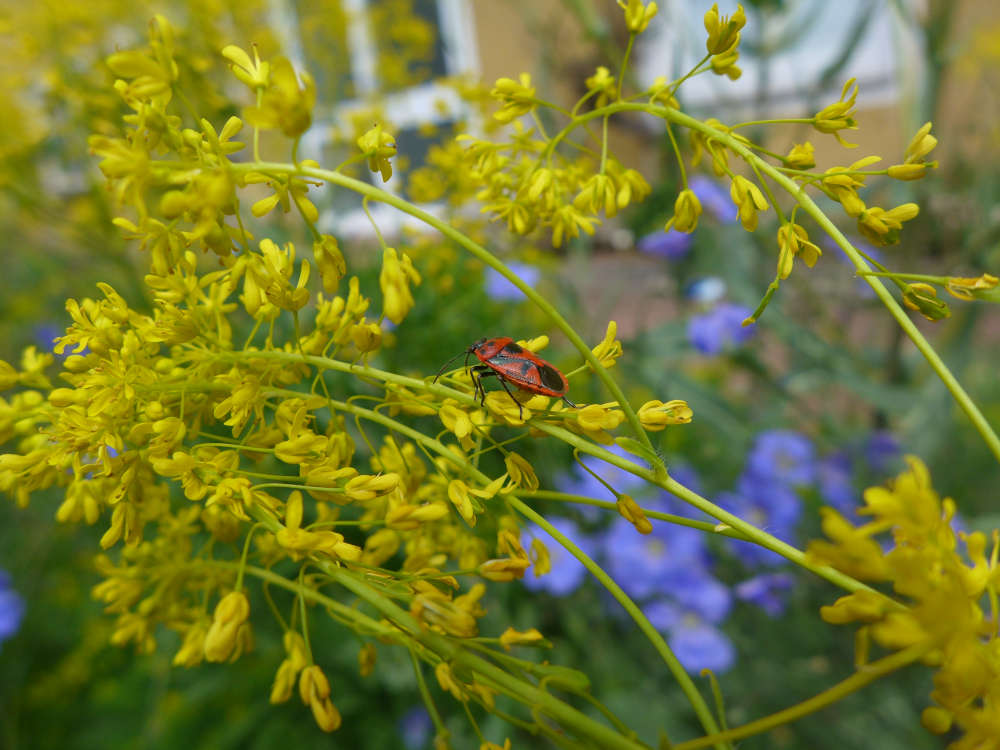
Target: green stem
x,y
694,697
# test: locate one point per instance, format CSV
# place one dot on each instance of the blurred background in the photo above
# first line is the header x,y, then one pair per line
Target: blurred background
x,y
815,402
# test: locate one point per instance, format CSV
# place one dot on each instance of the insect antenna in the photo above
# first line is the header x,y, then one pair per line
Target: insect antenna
x,y
445,366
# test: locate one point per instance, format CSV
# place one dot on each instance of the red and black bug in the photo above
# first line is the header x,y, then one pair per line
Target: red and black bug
x,y
503,359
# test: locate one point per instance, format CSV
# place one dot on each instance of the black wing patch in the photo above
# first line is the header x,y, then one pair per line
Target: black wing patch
x,y
551,378
512,348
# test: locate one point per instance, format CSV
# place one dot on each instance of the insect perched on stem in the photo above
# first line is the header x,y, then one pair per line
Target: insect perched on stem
x,y
503,359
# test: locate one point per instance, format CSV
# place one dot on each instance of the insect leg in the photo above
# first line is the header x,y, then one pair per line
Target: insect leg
x,y
568,402
477,374
520,408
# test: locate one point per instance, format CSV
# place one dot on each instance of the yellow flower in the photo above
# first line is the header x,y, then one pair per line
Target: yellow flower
x,y
923,298
749,199
504,569
285,105
253,73
881,227
330,261
839,115
724,64
192,650
793,241
603,84
914,166
314,689
610,349
395,279
802,156
408,517
517,97
979,287
631,512
598,193
365,487
723,31
378,146
522,474
656,415
458,493
230,614
687,209
596,417
448,682
637,15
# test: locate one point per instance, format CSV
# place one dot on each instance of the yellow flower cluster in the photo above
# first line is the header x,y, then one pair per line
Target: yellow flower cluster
x,y
944,588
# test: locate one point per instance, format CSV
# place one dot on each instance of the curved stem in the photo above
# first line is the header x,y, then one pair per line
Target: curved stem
x,y
855,682
683,679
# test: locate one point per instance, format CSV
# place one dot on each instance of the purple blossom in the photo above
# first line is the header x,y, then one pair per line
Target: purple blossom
x,y
833,474
567,573
720,328
713,197
671,245
11,608
499,288
415,728
646,564
766,591
785,456
768,505
882,450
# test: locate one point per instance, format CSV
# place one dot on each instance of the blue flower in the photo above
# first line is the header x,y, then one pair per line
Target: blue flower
x,y
882,450
646,564
11,608
713,197
670,245
785,456
766,591
567,572
720,328
833,474
415,728
768,505
499,288
695,640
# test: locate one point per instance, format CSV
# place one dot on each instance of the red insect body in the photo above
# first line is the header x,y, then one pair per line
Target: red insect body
x,y
504,359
